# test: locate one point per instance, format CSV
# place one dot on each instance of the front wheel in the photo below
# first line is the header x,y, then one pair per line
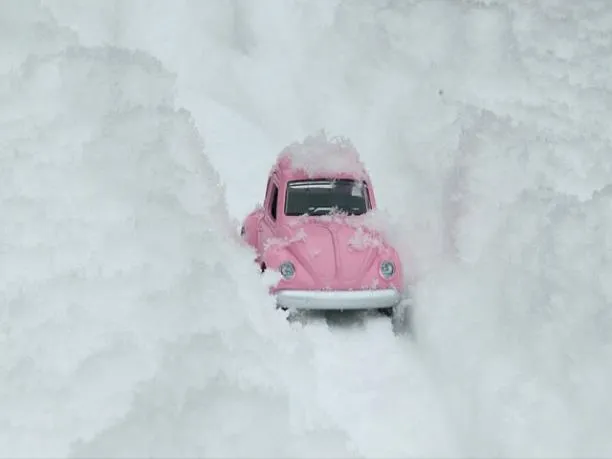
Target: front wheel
x,y
401,318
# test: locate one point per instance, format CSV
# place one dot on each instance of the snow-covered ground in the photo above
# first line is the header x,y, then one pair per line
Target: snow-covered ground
x,y
134,136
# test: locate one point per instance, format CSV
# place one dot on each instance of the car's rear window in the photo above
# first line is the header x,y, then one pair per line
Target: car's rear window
x,y
321,197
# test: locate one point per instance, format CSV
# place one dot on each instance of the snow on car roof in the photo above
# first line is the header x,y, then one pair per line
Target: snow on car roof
x,y
320,155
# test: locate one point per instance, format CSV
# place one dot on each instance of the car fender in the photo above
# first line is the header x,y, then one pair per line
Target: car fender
x,y
273,256
271,260
249,230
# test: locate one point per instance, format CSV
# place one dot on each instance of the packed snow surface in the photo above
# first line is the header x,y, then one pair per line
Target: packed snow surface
x,y
136,134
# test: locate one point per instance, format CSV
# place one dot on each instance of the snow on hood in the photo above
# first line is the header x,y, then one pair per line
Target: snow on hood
x,y
365,236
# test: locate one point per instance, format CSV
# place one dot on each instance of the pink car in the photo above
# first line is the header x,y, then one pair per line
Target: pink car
x,y
310,229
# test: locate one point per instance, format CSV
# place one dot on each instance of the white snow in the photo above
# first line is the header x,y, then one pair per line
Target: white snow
x,y
282,242
320,155
133,321
134,136
363,239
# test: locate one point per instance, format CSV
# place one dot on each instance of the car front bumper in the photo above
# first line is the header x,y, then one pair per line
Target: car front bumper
x,y
337,299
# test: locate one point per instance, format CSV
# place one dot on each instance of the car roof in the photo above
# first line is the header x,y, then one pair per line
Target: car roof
x,y
318,157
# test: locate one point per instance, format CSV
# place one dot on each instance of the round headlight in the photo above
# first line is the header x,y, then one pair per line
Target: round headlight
x,y
387,269
287,270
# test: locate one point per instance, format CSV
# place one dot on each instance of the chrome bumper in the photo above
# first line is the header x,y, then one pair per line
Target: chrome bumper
x,y
337,299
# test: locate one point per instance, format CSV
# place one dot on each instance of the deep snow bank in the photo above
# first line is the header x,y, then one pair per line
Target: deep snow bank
x,y
131,318
518,320
523,360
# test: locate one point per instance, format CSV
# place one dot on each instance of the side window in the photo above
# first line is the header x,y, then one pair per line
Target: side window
x,y
274,201
367,195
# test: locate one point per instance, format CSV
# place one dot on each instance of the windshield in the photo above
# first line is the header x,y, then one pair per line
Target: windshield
x,y
321,197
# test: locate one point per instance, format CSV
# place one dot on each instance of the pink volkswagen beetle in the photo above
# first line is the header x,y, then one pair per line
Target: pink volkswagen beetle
x,y
311,230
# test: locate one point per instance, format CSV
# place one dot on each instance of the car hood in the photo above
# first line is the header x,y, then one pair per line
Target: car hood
x,y
333,250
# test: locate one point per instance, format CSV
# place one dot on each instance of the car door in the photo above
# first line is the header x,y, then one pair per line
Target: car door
x,y
268,221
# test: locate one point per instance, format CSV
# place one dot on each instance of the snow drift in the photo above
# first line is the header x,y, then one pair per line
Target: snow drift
x,y
133,321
